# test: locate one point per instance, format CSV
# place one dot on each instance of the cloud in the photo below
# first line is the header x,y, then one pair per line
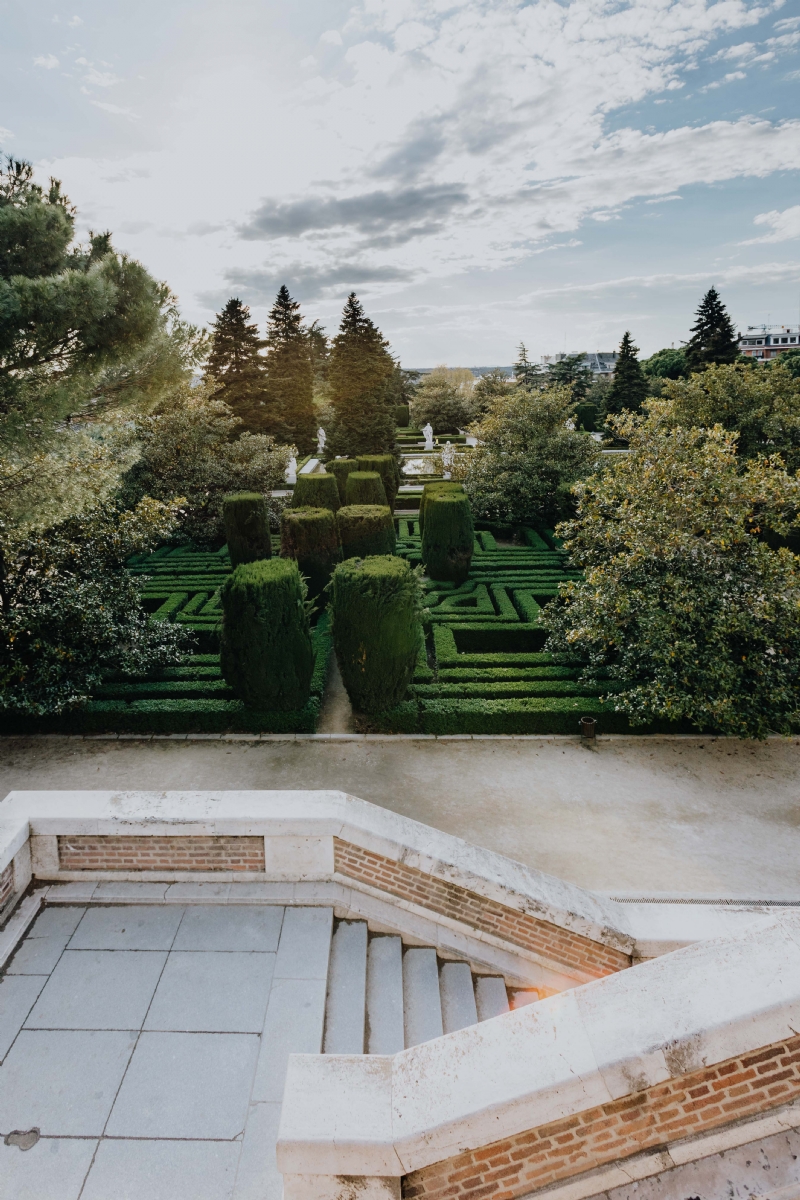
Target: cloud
x,y
783,226
116,111
731,77
764,273
103,79
331,37
664,199
305,282
5,134
48,61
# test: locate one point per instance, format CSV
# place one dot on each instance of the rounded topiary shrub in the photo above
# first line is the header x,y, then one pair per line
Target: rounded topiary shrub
x,y
432,489
387,468
309,536
376,629
366,529
316,491
265,644
341,468
448,538
402,416
246,527
365,487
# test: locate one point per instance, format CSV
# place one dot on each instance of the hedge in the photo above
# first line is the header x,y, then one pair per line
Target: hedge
x,y
386,466
340,468
310,536
365,487
428,492
246,522
366,529
316,491
448,538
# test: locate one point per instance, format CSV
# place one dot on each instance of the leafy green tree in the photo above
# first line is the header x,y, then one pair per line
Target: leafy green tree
x,y
666,364
191,446
571,372
237,366
790,361
319,352
290,376
443,400
487,389
684,608
761,405
713,337
526,373
628,389
527,459
358,376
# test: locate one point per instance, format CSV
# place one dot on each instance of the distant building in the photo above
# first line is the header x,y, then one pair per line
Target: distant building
x,y
599,362
767,341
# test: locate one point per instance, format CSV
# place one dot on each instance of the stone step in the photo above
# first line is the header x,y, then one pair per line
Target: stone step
x,y
386,1034
347,982
458,996
422,1006
491,996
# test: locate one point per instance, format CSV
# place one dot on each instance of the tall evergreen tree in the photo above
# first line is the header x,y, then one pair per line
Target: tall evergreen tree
x,y
359,373
319,350
571,372
629,388
236,364
525,371
290,375
713,337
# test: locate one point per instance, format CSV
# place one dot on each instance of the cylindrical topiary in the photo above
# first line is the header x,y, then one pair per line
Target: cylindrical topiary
x,y
309,536
246,527
265,645
376,629
366,529
432,489
401,416
365,487
316,491
341,468
386,466
448,537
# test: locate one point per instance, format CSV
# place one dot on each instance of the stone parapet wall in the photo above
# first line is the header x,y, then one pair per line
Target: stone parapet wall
x,y
6,883
134,853
679,1108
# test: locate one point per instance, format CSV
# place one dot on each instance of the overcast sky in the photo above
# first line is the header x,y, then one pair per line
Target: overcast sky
x,y
479,172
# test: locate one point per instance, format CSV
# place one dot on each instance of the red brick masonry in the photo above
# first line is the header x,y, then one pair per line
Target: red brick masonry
x,y
6,883
161,853
668,1112
450,900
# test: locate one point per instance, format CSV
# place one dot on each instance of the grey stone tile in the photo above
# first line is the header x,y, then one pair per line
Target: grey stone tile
x,y
98,989
17,997
230,927
212,992
53,1169
56,922
186,1085
162,1170
131,891
305,944
63,1081
258,1177
37,956
197,893
294,1022
127,927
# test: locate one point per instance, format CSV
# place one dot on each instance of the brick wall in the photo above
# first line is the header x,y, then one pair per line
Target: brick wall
x,y
449,900
6,883
161,853
680,1108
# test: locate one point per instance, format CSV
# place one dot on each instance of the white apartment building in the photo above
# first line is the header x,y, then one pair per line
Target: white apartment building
x,y
768,341
599,362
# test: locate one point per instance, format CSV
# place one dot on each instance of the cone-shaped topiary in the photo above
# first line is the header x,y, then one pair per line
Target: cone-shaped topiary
x,y
265,645
376,629
365,487
432,489
366,529
449,537
386,466
341,468
401,416
309,536
316,491
246,527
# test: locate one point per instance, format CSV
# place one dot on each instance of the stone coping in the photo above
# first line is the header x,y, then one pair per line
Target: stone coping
x,y
381,1118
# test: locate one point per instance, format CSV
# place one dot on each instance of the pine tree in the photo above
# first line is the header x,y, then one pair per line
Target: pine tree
x,y
525,371
713,337
358,375
629,388
236,364
319,350
290,375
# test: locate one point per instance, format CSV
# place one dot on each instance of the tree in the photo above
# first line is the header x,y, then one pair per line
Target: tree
x,y
443,397
525,372
713,337
789,360
319,351
290,376
571,372
629,387
487,389
191,447
358,375
666,364
761,405
527,460
236,365
684,608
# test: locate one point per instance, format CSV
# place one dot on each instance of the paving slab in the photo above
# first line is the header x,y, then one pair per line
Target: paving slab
x,y
230,927
305,944
62,1081
37,956
186,1085
293,1025
212,992
56,922
258,1177
127,927
162,1170
18,994
53,1169
98,989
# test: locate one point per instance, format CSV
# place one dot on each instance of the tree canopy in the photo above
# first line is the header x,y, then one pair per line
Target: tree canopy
x,y
666,364
713,337
237,366
290,375
358,374
629,387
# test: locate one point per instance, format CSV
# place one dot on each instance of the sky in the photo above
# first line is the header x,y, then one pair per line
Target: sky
x,y
480,173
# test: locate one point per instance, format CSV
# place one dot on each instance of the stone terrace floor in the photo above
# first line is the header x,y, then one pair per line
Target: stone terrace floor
x,y
148,1044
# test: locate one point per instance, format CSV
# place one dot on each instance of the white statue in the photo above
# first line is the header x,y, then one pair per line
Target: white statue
x,y
427,431
291,470
321,440
448,458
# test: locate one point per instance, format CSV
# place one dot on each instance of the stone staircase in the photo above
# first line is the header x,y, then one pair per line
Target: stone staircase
x,y
383,997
